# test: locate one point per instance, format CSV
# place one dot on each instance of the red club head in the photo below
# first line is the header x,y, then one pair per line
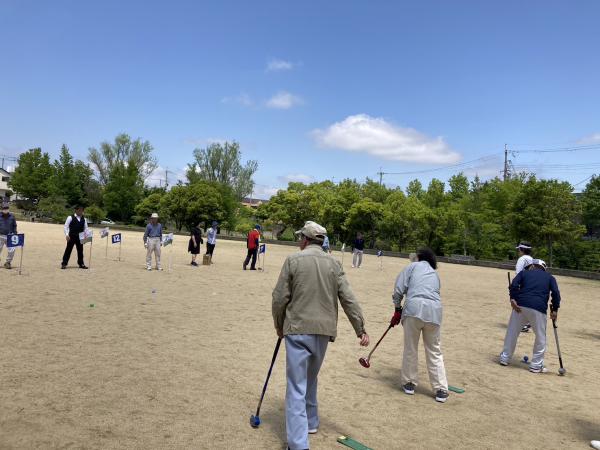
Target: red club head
x,y
364,362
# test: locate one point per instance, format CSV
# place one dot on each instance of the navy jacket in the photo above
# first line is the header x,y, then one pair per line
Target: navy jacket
x,y
8,224
532,289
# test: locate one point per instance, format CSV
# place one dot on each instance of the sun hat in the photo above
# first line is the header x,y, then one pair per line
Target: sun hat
x,y
154,216
312,230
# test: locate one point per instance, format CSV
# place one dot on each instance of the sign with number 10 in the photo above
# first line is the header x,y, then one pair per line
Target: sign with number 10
x,y
15,240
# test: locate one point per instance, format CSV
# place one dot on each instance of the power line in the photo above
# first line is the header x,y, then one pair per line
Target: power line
x,y
560,149
437,169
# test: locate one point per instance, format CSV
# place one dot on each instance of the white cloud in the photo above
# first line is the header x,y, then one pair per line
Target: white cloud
x,y
591,139
243,99
375,136
278,65
202,142
298,177
264,192
284,100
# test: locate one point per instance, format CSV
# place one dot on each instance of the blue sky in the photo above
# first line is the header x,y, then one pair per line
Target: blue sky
x,y
313,90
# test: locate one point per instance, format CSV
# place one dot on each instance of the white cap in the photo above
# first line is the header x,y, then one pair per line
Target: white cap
x,y
154,216
537,262
313,230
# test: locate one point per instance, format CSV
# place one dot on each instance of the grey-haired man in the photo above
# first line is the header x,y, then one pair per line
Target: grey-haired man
x,y
305,310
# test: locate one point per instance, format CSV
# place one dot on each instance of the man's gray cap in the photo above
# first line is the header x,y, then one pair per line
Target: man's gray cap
x,y
313,230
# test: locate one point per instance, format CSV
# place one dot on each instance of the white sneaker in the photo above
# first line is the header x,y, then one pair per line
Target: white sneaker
x,y
159,269
503,363
595,444
313,431
353,266
540,370
148,269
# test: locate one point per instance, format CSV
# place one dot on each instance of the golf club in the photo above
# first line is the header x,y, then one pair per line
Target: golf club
x,y
562,370
365,361
255,419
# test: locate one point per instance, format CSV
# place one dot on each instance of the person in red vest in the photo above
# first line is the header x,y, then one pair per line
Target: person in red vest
x,y
252,242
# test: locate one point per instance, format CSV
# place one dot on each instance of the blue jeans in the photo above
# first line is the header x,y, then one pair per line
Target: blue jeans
x,y
304,356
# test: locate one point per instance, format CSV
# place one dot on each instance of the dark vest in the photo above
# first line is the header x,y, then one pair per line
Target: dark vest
x,y
76,227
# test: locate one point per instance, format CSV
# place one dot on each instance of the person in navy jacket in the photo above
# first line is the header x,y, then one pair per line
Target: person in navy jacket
x,y
530,292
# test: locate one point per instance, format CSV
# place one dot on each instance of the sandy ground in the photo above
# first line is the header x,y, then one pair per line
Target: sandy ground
x,y
183,367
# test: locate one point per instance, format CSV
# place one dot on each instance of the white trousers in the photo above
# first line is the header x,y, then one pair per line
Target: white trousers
x,y
10,250
357,258
538,324
413,327
153,244
304,356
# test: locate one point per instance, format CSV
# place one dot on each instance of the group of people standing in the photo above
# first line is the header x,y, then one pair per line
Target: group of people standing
x,y
305,308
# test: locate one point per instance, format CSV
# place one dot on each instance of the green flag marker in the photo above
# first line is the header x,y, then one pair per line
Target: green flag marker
x,y
349,442
456,389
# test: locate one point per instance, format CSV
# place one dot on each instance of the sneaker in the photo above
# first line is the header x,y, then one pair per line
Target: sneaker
x,y
83,266
63,266
595,444
159,269
503,363
409,388
538,370
313,431
148,269
194,263
7,265
526,328
441,396
353,266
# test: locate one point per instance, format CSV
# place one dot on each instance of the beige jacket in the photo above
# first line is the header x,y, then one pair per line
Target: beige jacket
x,y
306,295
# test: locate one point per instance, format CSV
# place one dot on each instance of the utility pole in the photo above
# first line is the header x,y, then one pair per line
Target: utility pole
x,y
505,162
380,176
166,178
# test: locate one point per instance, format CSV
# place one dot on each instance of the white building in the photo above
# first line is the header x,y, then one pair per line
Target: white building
x,y
4,189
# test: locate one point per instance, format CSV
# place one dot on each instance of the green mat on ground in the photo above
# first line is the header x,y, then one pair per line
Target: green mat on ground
x,y
349,442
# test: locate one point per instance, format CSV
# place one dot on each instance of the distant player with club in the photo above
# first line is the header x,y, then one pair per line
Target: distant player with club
x,y
525,258
252,243
8,225
305,310
153,242
211,238
194,243
530,291
357,250
422,314
74,225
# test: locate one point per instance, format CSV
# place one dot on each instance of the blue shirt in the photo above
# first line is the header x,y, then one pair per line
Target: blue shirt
x,y
325,243
211,235
153,231
532,289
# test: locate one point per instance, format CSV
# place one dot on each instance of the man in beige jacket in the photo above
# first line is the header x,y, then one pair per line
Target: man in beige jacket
x,y
305,311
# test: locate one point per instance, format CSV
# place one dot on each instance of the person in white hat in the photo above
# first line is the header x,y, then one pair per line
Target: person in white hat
x,y
529,294
153,241
305,312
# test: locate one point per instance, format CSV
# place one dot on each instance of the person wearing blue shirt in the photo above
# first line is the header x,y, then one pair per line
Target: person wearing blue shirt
x,y
357,250
153,241
325,245
211,239
530,292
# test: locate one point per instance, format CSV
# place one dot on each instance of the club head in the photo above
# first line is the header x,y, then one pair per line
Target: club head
x,y
254,421
562,371
364,362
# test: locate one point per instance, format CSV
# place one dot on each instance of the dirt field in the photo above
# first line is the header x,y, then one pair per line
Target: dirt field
x,y
183,367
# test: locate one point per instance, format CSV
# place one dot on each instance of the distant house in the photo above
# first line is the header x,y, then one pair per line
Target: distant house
x,y
4,189
253,202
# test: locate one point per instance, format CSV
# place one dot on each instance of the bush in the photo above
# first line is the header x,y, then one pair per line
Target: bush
x,y
95,213
54,208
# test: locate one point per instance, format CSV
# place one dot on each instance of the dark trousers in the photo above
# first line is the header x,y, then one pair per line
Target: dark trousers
x,y
252,253
73,242
210,248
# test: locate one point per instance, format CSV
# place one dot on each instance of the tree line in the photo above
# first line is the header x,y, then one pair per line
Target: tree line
x,y
468,217
113,184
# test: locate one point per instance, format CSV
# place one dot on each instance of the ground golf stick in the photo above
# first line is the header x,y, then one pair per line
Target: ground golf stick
x,y
255,419
562,370
365,361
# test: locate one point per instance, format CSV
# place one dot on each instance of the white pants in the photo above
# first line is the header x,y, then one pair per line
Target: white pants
x,y
304,356
413,327
153,244
538,324
357,258
10,250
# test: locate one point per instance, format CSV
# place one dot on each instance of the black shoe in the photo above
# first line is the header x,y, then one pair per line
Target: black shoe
x,y
83,266
526,328
244,266
252,268
441,396
194,263
63,266
409,388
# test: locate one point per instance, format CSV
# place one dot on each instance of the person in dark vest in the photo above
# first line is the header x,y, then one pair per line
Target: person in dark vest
x,y
74,225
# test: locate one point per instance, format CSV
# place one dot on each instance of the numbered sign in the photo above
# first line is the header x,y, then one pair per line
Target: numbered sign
x,y
116,238
15,240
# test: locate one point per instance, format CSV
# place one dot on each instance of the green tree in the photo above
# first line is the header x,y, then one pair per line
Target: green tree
x,y
95,213
203,201
590,203
32,176
123,191
150,204
124,152
415,189
364,216
221,163
53,207
71,179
